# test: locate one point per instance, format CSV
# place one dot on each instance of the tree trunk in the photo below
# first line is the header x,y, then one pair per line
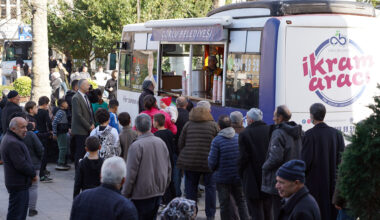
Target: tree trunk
x,y
40,69
138,11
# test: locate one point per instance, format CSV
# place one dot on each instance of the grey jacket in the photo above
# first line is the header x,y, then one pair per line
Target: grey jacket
x,y
148,168
127,136
82,116
285,144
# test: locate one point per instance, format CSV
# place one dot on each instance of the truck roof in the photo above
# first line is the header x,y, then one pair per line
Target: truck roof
x,y
296,7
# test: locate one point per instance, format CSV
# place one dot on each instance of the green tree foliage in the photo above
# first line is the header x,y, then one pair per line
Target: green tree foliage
x,y
95,25
89,26
359,179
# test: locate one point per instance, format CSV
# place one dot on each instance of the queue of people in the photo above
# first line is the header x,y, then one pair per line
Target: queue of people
x,y
258,172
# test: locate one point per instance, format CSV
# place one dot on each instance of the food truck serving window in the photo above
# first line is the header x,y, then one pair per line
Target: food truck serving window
x,y
186,70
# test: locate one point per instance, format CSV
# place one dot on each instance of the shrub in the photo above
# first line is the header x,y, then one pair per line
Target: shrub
x,y
93,83
23,85
359,179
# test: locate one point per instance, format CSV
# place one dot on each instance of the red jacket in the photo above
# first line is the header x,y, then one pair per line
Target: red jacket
x,y
168,123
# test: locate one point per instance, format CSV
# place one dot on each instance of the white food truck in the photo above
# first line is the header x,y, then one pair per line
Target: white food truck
x,y
269,53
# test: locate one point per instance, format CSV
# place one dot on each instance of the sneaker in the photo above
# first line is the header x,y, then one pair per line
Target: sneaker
x,y
47,173
46,179
32,212
67,166
62,167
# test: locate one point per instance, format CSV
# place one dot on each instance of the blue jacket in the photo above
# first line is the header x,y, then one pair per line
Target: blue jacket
x,y
103,202
224,157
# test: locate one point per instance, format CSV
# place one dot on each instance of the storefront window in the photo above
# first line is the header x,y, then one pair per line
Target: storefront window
x,y
242,81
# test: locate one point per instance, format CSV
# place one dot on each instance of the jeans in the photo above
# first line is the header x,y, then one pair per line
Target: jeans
x,y
177,178
18,205
147,208
191,189
33,195
80,141
62,140
342,215
236,190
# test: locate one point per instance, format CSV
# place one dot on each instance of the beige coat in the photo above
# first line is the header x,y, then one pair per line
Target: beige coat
x,y
148,168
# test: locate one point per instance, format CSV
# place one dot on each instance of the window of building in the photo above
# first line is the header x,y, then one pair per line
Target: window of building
x,y
13,12
3,12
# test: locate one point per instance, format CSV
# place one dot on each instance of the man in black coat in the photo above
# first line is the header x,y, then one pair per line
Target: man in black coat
x,y
253,144
322,148
148,89
297,202
12,107
18,168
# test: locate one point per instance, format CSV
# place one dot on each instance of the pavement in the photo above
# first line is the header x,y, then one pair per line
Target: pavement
x,y
55,199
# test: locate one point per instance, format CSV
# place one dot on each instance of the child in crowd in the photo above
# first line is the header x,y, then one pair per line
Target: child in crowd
x,y
101,103
60,133
108,136
113,106
87,174
171,110
168,137
127,135
31,110
44,126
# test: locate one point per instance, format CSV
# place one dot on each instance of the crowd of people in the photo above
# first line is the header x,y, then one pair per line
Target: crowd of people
x,y
259,171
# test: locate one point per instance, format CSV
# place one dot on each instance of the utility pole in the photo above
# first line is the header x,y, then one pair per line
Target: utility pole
x,y
40,48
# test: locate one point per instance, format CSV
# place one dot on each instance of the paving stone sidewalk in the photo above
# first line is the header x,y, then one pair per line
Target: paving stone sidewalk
x,y
55,199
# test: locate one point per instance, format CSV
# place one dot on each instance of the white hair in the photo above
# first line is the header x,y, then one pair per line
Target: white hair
x,y
204,104
255,114
236,117
113,170
143,123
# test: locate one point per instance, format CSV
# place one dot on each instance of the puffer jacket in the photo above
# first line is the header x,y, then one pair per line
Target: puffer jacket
x,y
224,156
285,144
195,141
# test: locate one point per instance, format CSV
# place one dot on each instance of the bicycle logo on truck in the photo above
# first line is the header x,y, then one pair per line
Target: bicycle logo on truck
x,y
338,70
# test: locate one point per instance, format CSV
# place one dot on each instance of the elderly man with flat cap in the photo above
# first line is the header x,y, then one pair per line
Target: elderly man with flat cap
x,y
298,203
12,107
19,172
